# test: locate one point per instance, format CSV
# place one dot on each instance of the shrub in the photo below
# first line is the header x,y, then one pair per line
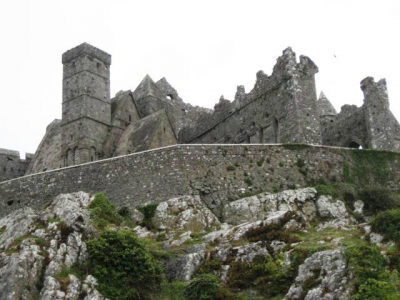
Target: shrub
x,y
230,168
300,162
148,211
343,191
366,262
385,289
203,287
248,181
212,266
124,268
207,287
102,212
124,212
270,232
265,275
388,224
173,290
378,199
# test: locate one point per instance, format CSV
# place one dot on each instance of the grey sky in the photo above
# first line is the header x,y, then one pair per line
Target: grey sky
x,y
204,49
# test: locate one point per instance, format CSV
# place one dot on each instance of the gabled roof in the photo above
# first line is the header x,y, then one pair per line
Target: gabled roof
x,y
324,106
148,88
120,99
138,136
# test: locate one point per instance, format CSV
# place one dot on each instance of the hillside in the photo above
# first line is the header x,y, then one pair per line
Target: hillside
x,y
332,241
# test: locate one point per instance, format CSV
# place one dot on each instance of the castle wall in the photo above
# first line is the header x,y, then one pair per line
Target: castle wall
x,y
281,108
371,126
383,128
346,127
11,165
218,173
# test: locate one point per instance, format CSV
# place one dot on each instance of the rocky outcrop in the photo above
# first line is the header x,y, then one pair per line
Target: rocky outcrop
x,y
323,276
184,213
263,205
37,248
38,245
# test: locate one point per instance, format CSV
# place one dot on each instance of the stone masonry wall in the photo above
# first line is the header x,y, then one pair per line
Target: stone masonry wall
x,y
218,173
280,108
11,165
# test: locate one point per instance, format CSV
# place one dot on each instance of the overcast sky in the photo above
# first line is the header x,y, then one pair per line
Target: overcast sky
x,y
204,49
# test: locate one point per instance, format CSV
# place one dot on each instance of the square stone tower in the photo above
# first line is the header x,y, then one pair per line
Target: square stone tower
x,y
86,106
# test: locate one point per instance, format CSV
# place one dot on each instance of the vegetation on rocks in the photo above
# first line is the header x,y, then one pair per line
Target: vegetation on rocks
x,y
124,268
207,287
148,211
102,212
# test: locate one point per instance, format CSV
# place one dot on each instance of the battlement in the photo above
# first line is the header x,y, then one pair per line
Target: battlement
x,y
9,152
11,164
85,48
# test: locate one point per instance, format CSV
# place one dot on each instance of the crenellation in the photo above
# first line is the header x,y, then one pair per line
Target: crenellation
x,y
85,48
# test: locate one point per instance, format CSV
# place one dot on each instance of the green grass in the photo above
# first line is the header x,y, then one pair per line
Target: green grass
x,y
369,166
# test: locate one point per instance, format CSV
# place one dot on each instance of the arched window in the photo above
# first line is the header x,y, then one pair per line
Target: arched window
x,y
75,156
354,145
68,158
275,126
93,155
261,135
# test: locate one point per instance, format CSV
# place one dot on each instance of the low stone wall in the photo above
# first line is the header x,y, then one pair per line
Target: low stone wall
x,y
218,173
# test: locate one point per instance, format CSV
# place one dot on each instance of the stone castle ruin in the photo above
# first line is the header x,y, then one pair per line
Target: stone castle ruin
x,y
281,108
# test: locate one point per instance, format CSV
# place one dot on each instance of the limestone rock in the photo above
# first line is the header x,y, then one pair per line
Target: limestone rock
x,y
328,208
19,272
184,267
31,235
359,207
259,207
137,216
247,253
327,270
16,224
142,232
184,213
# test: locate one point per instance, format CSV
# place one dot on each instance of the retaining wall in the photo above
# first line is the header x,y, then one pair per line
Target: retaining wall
x,y
218,173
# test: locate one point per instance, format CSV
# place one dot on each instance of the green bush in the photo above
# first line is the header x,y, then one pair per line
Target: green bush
x,y
344,191
173,290
124,212
265,274
230,168
366,262
2,229
207,287
270,232
203,287
124,268
102,212
300,162
248,181
378,199
148,211
385,289
388,224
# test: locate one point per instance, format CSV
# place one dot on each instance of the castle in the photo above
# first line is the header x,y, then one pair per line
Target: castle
x,y
281,108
